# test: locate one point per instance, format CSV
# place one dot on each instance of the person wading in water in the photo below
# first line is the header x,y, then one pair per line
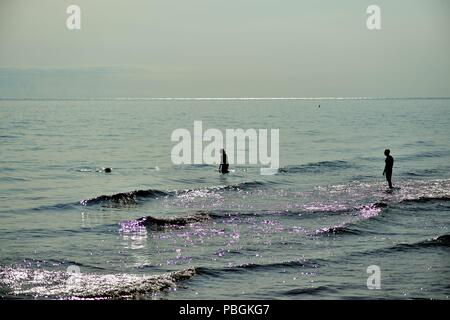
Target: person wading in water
x,y
223,167
388,167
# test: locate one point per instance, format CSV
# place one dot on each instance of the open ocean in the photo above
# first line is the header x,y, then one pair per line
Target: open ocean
x,y
308,232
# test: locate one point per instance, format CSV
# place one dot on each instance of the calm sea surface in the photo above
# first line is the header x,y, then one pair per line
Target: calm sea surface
x,y
68,229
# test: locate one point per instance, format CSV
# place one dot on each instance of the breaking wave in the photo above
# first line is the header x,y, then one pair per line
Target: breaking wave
x,y
124,198
132,197
161,222
60,284
349,228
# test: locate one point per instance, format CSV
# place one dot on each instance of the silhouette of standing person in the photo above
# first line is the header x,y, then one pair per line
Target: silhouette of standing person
x,y
388,167
223,167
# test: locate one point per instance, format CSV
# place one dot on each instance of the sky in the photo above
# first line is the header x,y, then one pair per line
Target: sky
x,y
224,48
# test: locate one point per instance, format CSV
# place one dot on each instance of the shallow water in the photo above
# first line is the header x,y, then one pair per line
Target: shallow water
x,y
309,231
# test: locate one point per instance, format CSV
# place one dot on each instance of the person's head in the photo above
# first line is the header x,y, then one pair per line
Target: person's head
x,y
108,170
387,152
222,151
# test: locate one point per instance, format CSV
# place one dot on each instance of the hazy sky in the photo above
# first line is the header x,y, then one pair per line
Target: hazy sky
x,y
224,48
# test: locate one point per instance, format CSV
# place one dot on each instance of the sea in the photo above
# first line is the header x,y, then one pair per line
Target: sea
x,y
324,225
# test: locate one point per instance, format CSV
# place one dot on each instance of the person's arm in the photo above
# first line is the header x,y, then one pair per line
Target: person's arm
x,y
384,171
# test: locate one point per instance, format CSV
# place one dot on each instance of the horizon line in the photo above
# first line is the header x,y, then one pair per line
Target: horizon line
x,y
214,98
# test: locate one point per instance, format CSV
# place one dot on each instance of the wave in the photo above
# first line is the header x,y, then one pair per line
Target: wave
x,y
60,284
322,166
125,198
443,240
58,207
311,290
243,186
425,155
193,166
369,211
339,230
132,197
350,228
423,173
410,191
159,223
312,204
425,199
313,264
440,241
162,222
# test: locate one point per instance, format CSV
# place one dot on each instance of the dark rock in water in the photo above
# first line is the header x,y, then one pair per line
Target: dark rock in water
x,y
108,170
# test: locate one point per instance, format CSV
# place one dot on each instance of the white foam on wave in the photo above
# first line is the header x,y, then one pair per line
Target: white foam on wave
x,y
60,284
